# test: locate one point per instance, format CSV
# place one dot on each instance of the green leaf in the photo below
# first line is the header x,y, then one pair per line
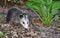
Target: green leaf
x,y
1,17
48,2
44,10
42,2
54,12
56,5
1,34
38,1
33,5
29,4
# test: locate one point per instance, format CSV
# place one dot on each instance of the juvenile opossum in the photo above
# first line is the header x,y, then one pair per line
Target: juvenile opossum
x,y
17,17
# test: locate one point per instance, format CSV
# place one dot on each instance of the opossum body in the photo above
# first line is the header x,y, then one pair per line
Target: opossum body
x,y
17,17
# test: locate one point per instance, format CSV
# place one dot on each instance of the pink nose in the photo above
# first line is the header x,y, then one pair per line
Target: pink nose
x,y
26,26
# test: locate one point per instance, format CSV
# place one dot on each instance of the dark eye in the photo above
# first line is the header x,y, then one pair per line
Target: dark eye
x,y
21,16
23,22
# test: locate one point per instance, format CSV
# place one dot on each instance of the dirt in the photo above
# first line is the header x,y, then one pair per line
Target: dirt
x,y
36,28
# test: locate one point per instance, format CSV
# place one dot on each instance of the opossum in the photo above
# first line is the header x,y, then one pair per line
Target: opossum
x,y
16,16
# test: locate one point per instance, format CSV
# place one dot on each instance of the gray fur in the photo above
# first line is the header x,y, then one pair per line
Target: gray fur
x,y
17,17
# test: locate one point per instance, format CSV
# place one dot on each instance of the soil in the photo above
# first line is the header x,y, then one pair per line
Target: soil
x,y
36,28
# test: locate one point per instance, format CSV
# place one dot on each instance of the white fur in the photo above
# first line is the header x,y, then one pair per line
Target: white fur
x,y
25,20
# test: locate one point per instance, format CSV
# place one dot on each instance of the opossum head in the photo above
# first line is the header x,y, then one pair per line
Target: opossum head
x,y
24,21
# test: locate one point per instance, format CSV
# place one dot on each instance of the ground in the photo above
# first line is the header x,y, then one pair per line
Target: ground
x,y
36,28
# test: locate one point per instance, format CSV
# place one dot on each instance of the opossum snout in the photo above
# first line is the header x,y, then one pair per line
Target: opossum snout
x,y
25,22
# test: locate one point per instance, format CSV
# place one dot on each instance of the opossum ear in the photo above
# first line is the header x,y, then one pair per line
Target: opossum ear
x,y
26,16
21,16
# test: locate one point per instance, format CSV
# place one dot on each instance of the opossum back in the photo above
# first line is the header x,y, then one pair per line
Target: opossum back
x,y
13,13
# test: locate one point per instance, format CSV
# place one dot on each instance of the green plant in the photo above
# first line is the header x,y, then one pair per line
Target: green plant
x,y
46,9
59,15
1,17
1,34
